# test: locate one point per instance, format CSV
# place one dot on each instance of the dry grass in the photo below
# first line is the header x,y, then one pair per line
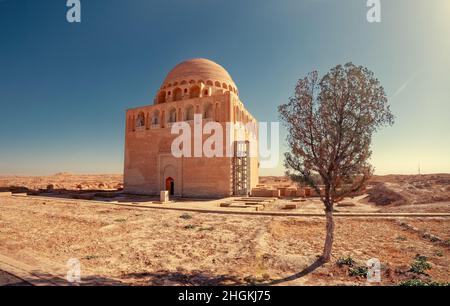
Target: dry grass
x,y
159,247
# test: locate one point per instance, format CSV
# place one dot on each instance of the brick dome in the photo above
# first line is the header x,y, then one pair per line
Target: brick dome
x,y
199,70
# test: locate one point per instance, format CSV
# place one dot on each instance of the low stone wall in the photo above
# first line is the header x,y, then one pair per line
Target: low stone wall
x,y
260,192
266,191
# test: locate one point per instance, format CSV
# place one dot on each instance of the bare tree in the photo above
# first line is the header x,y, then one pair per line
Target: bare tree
x,y
330,122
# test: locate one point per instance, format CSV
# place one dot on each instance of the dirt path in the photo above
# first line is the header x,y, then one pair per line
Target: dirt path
x,y
212,207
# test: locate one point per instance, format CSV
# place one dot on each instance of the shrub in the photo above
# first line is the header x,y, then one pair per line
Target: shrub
x,y
420,264
345,261
419,282
358,271
186,216
413,282
189,226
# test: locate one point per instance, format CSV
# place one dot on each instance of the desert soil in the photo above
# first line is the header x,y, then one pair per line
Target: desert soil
x,y
61,181
131,246
389,193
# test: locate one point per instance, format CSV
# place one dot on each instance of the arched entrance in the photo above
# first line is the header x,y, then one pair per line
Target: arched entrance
x,y
170,185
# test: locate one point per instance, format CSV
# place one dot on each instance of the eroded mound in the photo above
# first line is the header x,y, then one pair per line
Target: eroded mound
x,y
380,194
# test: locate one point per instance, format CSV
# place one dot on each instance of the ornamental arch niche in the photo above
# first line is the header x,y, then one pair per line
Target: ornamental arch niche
x,y
189,113
194,92
140,120
177,94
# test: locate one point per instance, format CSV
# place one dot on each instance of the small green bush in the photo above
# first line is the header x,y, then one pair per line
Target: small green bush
x,y
420,265
419,282
345,261
189,226
413,282
358,271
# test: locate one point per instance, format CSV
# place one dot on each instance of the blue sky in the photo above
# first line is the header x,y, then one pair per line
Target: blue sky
x,y
64,87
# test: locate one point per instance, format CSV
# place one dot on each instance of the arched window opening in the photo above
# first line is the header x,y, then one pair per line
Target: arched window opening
x,y
207,111
209,83
183,82
206,92
162,97
189,113
217,84
140,120
177,94
195,92
155,118
172,116
224,85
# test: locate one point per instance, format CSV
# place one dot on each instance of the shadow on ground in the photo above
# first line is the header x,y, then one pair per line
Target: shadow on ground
x,y
194,278
309,269
164,278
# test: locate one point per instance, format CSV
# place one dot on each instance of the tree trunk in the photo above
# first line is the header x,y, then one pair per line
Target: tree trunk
x,y
330,234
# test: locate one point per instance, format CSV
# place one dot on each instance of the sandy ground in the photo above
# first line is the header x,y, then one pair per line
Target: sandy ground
x,y
389,193
61,181
409,189
117,245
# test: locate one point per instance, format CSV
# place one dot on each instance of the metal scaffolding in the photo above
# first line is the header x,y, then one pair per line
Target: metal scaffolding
x,y
241,170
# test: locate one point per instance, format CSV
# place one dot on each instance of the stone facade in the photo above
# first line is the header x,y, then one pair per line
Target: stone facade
x,y
197,86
